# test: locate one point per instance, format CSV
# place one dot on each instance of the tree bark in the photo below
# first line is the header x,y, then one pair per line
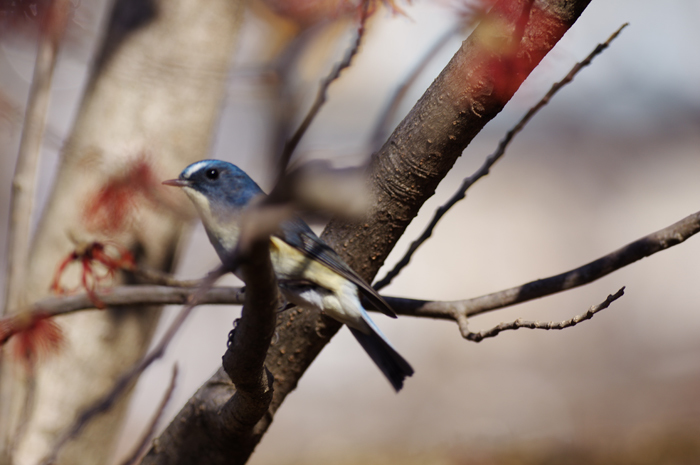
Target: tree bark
x,y
155,95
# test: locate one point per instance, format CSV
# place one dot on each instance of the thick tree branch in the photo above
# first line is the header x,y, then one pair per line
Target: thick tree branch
x,y
221,430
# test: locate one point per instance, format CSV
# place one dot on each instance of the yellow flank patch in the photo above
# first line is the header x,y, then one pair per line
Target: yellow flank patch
x,y
290,263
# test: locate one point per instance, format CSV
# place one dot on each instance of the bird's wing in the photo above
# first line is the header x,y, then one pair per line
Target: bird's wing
x,y
298,234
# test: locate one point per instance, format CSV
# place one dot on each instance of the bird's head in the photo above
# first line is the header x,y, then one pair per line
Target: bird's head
x,y
216,186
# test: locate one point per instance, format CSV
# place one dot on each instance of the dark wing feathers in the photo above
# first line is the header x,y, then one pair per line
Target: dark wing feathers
x,y
298,234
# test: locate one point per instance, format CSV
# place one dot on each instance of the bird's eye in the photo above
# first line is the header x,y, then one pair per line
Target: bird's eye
x,y
212,174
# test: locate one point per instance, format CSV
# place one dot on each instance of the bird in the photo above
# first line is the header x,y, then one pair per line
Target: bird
x,y
310,274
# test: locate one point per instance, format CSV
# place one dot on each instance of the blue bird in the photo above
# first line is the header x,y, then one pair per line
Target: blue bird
x,y
309,272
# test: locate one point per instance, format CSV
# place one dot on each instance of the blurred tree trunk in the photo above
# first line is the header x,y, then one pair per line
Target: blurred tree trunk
x,y
154,95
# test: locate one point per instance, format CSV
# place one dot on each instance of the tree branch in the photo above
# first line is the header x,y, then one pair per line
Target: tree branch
x,y
519,323
643,247
489,162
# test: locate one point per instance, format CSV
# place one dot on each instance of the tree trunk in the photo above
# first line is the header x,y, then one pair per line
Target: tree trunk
x,y
154,97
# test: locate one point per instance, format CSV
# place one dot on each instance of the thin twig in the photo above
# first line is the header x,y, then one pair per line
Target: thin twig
x,y
517,324
322,95
23,183
127,379
285,105
151,430
489,162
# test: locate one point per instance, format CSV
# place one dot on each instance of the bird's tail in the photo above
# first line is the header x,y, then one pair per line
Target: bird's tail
x,y
392,364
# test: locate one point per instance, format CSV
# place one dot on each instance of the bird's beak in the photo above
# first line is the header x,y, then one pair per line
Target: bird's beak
x,y
177,182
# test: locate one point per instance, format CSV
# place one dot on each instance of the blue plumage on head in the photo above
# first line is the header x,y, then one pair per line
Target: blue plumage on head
x,y
221,182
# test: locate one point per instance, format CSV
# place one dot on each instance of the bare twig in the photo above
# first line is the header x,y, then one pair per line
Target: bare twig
x,y
519,323
138,295
119,296
150,431
23,183
127,379
489,162
322,95
643,247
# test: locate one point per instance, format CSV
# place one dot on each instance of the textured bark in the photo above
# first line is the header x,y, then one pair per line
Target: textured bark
x,y
472,89
156,89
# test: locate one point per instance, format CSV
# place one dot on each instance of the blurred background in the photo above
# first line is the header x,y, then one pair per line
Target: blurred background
x,y
615,156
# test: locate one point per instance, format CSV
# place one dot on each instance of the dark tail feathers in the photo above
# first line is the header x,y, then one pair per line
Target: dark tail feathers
x,y
392,364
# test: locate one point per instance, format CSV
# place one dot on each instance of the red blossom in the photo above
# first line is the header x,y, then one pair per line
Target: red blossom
x,y
91,257
110,209
36,336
